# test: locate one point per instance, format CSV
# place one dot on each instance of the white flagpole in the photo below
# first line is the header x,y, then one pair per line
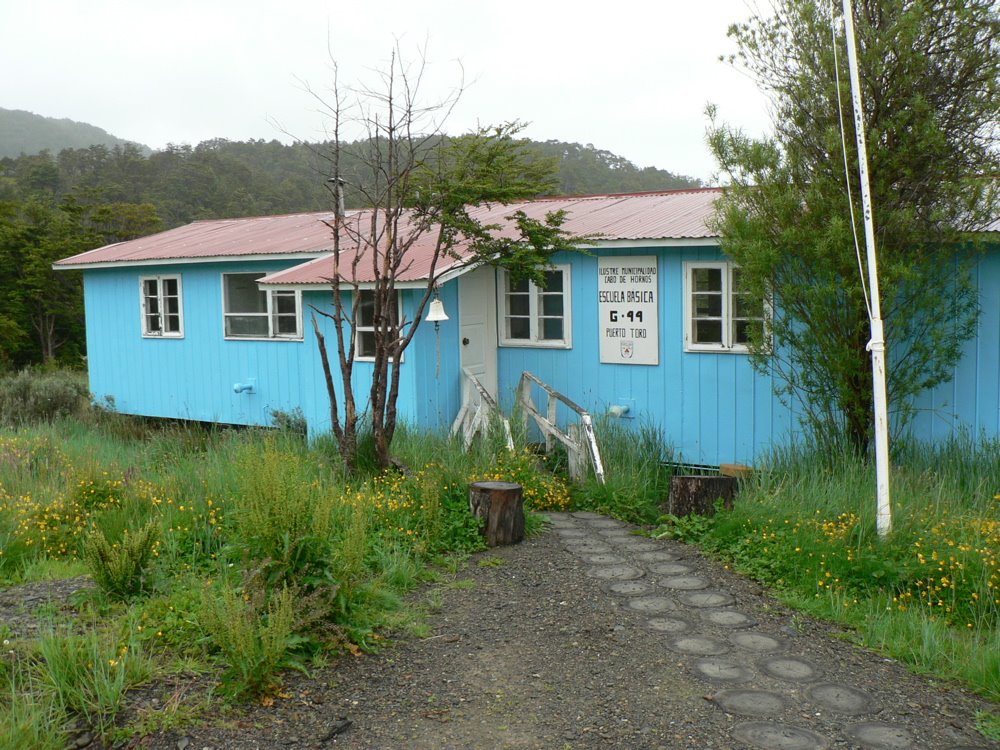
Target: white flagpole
x,y
877,344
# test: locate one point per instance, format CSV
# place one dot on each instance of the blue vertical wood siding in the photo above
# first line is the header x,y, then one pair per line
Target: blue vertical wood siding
x,y
712,407
970,401
193,377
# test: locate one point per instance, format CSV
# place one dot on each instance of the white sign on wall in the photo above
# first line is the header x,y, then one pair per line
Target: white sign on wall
x,y
628,309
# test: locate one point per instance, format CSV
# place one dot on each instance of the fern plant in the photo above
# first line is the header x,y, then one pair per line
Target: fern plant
x,y
120,569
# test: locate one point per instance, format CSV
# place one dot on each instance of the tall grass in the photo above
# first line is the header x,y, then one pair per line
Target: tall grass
x,y
637,462
929,593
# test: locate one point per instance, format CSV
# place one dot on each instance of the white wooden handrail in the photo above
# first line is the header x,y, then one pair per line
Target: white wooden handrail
x,y
478,407
579,439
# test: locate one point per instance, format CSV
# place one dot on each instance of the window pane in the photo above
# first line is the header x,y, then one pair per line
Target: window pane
x,y
707,305
366,309
284,303
706,331
242,294
744,307
520,287
741,331
152,324
706,279
173,324
286,325
552,304
552,329
518,304
172,305
152,305
149,287
170,287
553,281
366,344
246,325
518,328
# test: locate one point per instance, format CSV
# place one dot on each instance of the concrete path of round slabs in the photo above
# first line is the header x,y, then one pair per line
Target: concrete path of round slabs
x,y
678,602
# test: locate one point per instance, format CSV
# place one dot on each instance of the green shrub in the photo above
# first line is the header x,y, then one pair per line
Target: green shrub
x,y
120,569
32,396
256,639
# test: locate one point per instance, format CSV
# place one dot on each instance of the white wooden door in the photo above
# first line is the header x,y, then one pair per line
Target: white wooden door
x,y
477,317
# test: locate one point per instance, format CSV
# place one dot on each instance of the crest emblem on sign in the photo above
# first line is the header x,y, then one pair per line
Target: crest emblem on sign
x,y
628,348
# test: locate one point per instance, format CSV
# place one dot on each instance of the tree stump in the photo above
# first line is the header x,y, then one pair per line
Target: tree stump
x,y
500,508
697,494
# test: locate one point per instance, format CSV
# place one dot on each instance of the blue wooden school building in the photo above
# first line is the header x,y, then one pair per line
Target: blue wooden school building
x,y
213,321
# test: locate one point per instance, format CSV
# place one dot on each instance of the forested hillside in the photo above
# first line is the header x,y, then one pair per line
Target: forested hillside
x,y
27,133
53,205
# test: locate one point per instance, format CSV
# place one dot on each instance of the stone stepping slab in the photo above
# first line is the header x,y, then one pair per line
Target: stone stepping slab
x,y
672,624
751,702
651,604
727,618
881,736
587,547
753,641
629,588
773,736
723,670
699,645
615,572
713,599
572,532
684,583
842,699
670,568
790,669
603,559
656,556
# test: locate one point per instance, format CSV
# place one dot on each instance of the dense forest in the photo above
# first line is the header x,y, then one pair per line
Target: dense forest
x,y
56,204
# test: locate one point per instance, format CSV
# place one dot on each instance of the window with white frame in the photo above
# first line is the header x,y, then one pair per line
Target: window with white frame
x,y
364,335
719,316
534,316
253,313
162,309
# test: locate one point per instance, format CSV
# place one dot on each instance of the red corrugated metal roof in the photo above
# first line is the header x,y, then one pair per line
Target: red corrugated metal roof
x,y
670,215
220,238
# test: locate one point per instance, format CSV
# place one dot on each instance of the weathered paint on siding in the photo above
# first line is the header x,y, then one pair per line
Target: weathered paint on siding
x,y
713,408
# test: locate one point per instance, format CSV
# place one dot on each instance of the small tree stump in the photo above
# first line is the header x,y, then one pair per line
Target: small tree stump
x,y
500,507
697,494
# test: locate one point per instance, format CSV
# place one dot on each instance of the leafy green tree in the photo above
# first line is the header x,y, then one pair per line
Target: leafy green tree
x,y
418,187
42,309
929,72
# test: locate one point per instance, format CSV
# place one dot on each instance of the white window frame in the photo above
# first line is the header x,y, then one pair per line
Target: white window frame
x,y
727,345
269,313
161,312
534,312
371,329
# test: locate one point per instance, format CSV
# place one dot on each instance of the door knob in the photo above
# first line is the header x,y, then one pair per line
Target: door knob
x,y
465,341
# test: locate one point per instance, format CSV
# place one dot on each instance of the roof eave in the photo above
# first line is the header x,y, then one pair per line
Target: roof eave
x,y
256,258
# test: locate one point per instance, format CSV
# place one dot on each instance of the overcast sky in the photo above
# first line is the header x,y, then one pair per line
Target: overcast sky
x,y
629,76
